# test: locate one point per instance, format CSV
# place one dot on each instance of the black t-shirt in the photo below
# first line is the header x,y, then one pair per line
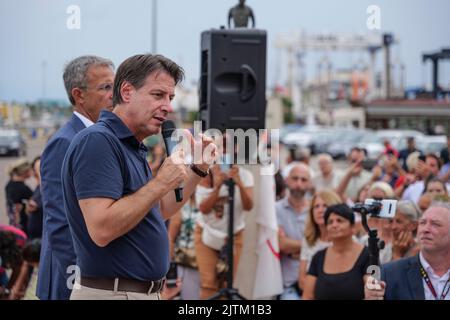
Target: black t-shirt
x,y
445,155
340,286
16,191
35,219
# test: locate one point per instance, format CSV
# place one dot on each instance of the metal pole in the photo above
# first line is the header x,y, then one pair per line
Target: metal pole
x,y
44,85
154,25
435,77
230,241
387,51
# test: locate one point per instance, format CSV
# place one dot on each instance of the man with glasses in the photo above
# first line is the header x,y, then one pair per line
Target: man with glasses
x,y
89,82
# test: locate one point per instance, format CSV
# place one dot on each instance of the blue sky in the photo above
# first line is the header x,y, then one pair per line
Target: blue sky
x,y
34,31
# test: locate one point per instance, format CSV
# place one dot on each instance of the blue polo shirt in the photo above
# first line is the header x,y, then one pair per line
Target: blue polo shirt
x,y
107,161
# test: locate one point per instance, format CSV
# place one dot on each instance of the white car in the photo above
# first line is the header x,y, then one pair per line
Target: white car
x,y
432,144
374,143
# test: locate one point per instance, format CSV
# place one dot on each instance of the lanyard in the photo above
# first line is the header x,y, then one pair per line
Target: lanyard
x,y
425,277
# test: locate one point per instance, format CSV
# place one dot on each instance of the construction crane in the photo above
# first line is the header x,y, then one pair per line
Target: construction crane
x,y
444,54
296,44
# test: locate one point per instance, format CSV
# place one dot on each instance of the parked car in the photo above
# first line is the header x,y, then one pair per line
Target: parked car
x,y
374,146
347,140
288,128
329,137
12,143
305,138
432,144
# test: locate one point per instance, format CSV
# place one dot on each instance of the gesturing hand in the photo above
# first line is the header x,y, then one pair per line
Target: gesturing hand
x,y
173,171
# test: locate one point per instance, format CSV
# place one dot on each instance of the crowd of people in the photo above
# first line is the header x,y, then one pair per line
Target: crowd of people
x,y
104,203
322,242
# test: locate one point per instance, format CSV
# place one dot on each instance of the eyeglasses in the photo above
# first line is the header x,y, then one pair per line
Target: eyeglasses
x,y
104,87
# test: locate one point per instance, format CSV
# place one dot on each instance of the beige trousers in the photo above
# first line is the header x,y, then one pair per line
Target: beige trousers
x,y
207,259
85,293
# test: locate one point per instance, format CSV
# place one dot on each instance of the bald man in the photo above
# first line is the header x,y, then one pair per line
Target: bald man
x,y
327,178
291,216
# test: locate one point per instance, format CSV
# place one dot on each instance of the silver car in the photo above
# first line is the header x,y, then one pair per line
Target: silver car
x,y
12,143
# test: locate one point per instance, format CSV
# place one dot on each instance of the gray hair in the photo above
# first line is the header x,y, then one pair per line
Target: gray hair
x,y
299,165
75,72
440,204
325,156
409,209
383,186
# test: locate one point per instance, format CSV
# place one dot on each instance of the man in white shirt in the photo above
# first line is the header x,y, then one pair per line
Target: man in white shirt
x,y
425,276
355,177
327,178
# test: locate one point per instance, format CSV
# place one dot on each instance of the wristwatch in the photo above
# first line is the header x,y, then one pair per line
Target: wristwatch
x,y
199,172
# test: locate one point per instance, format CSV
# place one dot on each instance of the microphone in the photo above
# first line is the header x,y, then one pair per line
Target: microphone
x,y
168,127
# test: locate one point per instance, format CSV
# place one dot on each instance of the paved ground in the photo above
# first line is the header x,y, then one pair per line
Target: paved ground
x,y
35,148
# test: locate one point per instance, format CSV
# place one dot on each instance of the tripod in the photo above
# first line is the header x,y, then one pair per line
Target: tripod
x,y
229,292
375,244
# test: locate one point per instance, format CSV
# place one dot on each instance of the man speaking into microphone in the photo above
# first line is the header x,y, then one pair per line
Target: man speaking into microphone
x,y
115,207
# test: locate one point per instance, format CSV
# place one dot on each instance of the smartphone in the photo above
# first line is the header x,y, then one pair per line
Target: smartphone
x,y
368,164
172,275
388,208
422,158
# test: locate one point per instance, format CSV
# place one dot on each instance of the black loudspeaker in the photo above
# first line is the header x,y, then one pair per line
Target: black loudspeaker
x,y
233,79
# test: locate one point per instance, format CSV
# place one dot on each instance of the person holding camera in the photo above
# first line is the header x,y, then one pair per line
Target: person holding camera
x,y
212,225
339,271
380,190
425,276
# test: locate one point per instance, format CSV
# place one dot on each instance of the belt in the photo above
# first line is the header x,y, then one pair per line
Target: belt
x,y
121,284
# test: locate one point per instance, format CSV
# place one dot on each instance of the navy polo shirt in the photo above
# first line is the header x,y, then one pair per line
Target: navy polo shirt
x,y
107,161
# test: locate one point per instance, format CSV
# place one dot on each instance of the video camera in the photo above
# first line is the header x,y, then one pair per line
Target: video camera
x,y
377,208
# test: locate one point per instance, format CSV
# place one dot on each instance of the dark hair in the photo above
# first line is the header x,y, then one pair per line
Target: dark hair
x,y
280,184
137,68
341,210
38,158
433,179
435,157
358,149
10,252
32,251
